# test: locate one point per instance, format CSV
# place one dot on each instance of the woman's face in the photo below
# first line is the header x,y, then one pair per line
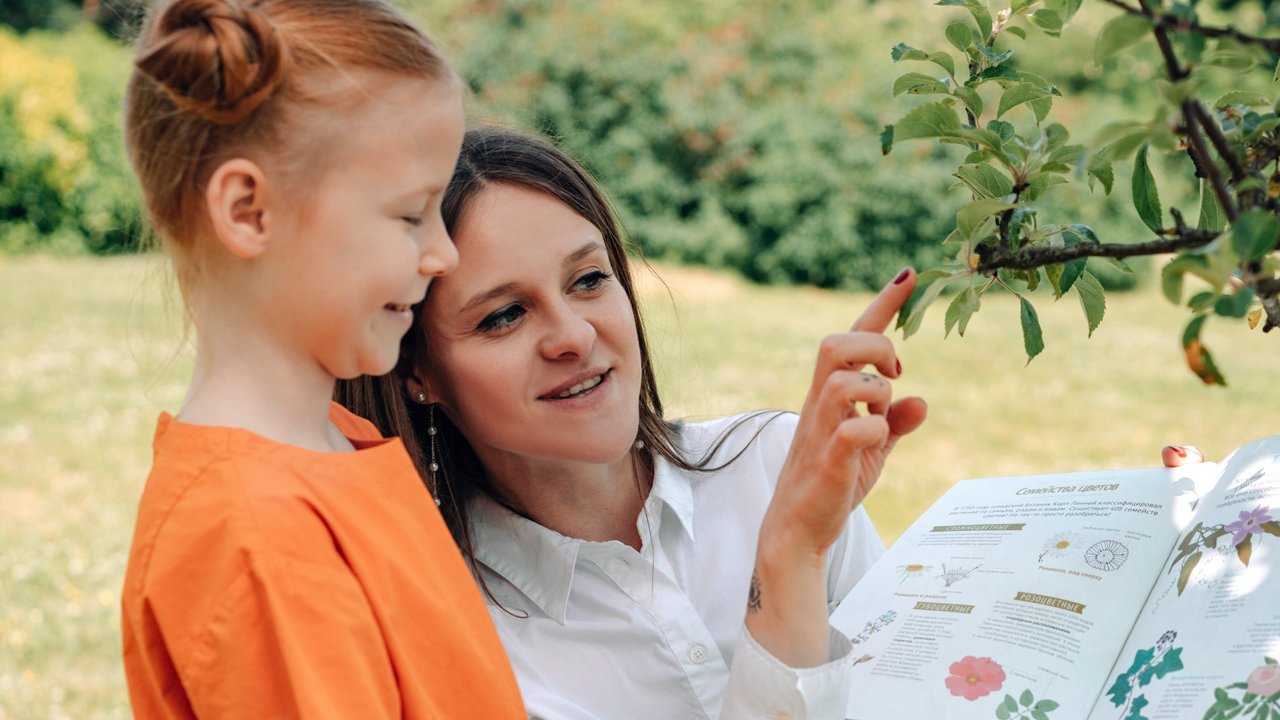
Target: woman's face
x,y
534,352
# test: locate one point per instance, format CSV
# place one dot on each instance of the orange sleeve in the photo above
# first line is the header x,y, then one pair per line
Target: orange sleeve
x,y
291,640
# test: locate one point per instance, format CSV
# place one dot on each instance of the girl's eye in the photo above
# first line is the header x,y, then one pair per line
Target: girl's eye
x,y
413,220
593,280
502,319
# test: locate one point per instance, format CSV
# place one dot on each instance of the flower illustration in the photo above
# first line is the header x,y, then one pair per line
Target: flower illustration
x,y
974,677
1265,681
1250,523
1060,544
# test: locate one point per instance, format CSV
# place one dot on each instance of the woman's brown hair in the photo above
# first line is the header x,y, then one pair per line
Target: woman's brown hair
x,y
216,79
494,155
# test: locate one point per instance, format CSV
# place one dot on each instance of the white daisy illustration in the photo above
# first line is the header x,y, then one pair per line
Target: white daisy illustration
x,y
1061,544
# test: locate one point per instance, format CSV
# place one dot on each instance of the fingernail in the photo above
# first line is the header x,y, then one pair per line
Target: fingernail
x,y
902,276
1178,450
899,366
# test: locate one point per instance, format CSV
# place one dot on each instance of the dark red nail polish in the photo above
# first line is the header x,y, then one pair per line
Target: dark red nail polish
x,y
899,366
1179,451
902,276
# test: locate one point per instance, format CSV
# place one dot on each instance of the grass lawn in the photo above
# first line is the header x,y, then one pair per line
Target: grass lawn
x,y
90,352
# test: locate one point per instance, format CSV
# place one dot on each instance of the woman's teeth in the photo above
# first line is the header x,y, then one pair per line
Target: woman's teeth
x,y
581,387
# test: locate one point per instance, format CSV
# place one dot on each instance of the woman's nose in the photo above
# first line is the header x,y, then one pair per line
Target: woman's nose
x,y
568,335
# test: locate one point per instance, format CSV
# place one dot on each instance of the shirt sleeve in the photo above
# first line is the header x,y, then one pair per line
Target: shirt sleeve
x,y
291,640
762,687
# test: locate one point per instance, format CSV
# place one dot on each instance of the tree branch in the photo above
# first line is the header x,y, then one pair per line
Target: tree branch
x,y
1206,162
1219,140
1170,22
1034,257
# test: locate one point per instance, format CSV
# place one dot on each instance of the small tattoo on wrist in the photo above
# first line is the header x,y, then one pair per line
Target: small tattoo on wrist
x,y
753,595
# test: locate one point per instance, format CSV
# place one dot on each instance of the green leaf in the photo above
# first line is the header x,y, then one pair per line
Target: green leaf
x,y
1048,21
1015,30
1004,129
1046,706
1241,97
1068,275
1146,198
886,140
1119,33
1017,6
1255,234
1171,662
1271,528
1026,698
1009,704
1039,715
985,181
971,216
1002,74
912,313
1099,168
1171,275
1199,359
961,309
1235,305
902,51
1212,217
914,83
1018,94
1032,336
971,99
1092,300
930,120
960,35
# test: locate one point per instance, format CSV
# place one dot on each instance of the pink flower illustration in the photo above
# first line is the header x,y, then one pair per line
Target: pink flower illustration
x,y
1249,523
974,677
1264,681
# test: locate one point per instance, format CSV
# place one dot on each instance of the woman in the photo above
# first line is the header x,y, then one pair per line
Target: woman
x,y
619,551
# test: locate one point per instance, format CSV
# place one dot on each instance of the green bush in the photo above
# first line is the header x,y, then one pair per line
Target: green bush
x,y
718,137
65,183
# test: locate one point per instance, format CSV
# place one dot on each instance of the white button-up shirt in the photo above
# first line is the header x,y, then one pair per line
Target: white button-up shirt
x,y
597,630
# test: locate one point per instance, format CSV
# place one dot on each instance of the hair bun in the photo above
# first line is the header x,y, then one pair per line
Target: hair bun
x,y
217,59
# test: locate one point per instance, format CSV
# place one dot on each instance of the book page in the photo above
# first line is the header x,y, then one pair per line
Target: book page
x,y
1018,589
1209,637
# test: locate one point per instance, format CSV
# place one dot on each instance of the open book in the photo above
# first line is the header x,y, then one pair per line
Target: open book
x,y
1106,595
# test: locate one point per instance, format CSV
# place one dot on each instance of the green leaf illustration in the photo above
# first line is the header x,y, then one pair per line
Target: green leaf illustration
x,y
1245,549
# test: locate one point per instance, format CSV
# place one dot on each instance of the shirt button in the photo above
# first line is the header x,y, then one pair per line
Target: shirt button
x,y
698,654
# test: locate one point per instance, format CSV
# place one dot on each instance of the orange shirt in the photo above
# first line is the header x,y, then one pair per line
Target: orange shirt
x,y
269,581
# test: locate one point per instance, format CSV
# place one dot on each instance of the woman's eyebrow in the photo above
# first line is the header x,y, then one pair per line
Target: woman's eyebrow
x,y
585,250
490,294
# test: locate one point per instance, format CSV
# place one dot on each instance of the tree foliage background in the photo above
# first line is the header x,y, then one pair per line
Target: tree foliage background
x,y
734,134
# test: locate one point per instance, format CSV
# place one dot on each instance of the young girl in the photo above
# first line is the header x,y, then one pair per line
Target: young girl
x,y
621,552
287,561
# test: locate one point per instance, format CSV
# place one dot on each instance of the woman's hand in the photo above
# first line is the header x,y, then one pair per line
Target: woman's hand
x,y
1179,455
847,427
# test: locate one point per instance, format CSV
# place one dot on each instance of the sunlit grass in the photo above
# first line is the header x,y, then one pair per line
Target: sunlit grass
x,y
89,354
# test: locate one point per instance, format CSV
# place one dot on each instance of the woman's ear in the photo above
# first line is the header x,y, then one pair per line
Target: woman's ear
x,y
419,390
239,205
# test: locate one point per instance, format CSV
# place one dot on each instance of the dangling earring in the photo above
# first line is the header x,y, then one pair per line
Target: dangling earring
x,y
433,463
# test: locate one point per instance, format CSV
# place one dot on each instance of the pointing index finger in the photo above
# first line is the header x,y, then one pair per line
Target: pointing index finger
x,y
880,312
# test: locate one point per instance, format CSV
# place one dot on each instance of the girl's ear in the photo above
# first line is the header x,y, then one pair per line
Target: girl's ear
x,y
239,205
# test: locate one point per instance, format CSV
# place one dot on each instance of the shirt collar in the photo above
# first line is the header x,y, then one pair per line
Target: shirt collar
x,y
540,562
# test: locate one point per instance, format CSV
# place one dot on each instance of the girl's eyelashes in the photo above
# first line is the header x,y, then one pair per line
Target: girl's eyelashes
x,y
412,220
502,319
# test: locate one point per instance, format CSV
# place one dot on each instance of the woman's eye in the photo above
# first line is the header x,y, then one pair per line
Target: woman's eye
x,y
593,280
501,319
412,220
